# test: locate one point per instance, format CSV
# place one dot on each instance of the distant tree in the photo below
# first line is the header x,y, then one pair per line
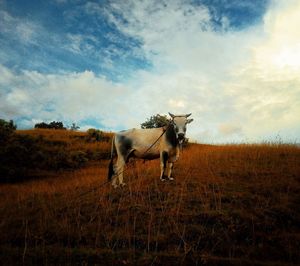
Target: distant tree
x,y
52,125
74,127
6,129
41,125
155,121
56,125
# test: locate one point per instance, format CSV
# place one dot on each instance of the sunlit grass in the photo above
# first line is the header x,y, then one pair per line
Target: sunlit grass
x,y
234,204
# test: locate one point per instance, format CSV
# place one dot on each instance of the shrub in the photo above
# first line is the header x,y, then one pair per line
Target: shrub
x,y
6,129
30,153
94,135
23,155
79,158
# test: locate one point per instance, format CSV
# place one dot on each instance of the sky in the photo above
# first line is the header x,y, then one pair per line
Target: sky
x,y
233,64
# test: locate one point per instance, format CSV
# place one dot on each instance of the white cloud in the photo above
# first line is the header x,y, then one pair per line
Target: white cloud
x,y
6,76
266,88
20,30
228,129
68,97
179,35
251,76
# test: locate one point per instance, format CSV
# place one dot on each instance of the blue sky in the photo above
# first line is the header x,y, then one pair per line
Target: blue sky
x,y
68,37
74,36
111,64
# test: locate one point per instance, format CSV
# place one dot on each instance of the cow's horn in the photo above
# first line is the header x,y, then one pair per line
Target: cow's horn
x,y
171,115
188,115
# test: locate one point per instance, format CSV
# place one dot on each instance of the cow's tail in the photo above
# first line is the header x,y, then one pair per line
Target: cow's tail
x,y
111,163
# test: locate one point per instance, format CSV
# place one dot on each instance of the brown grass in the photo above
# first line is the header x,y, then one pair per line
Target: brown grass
x,y
229,205
74,139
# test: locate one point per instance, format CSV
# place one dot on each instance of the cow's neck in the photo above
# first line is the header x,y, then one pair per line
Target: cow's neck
x,y
171,135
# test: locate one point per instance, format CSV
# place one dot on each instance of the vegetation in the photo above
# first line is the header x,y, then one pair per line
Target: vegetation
x,y
33,153
155,121
97,135
52,125
74,127
229,205
6,130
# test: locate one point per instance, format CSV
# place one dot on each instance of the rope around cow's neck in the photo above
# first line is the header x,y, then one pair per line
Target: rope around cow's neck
x,y
164,131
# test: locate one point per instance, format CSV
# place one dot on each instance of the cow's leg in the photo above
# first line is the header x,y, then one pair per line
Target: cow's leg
x,y
115,176
120,170
118,173
163,164
170,168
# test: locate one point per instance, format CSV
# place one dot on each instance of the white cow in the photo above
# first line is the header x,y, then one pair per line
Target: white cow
x,y
163,143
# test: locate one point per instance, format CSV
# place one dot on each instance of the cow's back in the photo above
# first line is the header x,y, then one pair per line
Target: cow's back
x,y
140,140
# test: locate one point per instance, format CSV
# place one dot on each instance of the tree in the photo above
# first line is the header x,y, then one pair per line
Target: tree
x,y
74,127
52,125
41,125
56,125
155,121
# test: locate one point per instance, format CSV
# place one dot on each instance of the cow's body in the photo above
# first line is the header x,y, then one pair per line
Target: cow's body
x,y
151,143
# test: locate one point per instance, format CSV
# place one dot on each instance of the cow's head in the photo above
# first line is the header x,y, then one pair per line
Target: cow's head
x,y
179,122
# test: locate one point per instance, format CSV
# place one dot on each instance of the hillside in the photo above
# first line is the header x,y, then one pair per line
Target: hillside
x,y
229,205
37,153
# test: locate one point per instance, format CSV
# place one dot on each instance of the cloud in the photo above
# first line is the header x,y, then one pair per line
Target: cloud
x,y
191,60
6,76
266,88
68,97
78,42
229,129
249,76
19,30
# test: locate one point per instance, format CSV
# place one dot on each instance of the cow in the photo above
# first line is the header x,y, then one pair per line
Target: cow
x,y
147,144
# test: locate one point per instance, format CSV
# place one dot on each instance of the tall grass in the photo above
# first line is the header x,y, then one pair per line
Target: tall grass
x,y
231,204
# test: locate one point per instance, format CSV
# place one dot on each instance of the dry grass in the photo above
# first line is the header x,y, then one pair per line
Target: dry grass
x,y
229,205
72,138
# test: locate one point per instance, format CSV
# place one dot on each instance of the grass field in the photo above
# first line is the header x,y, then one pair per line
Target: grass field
x,y
229,205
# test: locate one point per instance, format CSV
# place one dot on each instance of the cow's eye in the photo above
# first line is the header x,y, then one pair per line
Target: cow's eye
x,y
176,129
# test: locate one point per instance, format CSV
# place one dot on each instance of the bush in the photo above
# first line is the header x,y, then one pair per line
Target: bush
x,y
28,154
6,130
94,135
16,157
23,155
79,158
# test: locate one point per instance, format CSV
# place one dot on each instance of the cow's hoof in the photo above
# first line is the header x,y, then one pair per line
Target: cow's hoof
x,y
122,184
171,178
162,179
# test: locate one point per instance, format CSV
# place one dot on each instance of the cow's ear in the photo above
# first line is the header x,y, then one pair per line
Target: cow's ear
x,y
171,115
189,121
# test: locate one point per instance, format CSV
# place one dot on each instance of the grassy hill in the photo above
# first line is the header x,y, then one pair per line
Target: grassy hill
x,y
37,153
229,205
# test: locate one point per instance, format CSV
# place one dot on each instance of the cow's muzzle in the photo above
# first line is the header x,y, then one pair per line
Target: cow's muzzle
x,y
180,137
